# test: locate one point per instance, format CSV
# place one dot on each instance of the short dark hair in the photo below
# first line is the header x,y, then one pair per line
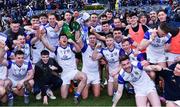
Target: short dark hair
x,y
117,29
43,15
124,40
19,52
109,36
76,10
109,11
165,27
127,14
89,33
14,21
35,17
62,34
162,10
142,14
116,18
132,14
103,15
20,35
53,14
105,22
68,11
123,58
44,52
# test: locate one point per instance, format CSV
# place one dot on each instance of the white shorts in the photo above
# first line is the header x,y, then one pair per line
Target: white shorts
x,y
93,78
171,56
111,70
3,72
52,54
14,82
144,91
177,102
111,79
156,58
68,76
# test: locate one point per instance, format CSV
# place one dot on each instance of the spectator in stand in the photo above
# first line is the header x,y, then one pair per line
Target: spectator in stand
x,y
112,4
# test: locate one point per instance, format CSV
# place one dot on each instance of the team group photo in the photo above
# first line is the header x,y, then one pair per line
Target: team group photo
x,y
90,53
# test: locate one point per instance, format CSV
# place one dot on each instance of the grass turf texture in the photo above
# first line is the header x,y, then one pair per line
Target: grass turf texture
x,y
103,100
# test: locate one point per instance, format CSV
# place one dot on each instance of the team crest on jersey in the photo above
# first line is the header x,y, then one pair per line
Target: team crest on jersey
x,y
90,56
68,51
112,60
136,73
107,55
132,58
115,54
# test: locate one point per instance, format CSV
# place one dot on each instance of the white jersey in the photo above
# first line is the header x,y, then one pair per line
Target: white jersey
x,y
36,48
3,72
112,57
118,45
138,77
98,28
36,51
3,69
26,50
66,58
17,73
89,65
157,45
52,35
132,56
